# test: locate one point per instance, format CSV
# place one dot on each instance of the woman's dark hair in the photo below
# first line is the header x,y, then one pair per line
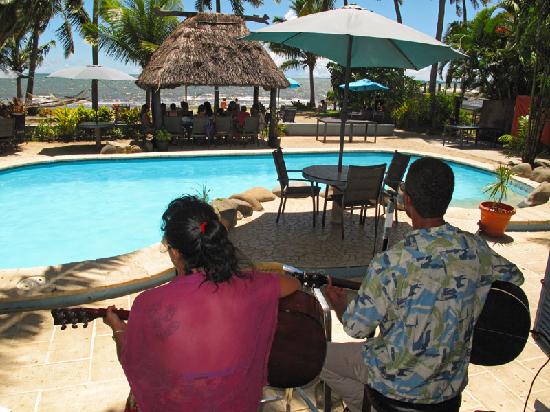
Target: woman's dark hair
x,y
430,185
192,227
172,106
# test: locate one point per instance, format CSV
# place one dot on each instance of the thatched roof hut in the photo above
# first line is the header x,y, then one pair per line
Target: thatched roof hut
x,y
206,50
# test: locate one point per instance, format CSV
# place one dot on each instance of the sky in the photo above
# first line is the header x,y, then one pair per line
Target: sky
x,y
419,14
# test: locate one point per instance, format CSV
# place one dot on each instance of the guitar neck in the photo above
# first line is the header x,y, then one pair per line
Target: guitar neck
x,y
313,279
102,312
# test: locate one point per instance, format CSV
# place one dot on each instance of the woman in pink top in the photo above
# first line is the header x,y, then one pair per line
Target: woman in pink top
x,y
202,341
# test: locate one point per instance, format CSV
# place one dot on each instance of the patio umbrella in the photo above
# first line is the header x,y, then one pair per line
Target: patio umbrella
x,y
355,37
365,85
8,74
91,72
293,83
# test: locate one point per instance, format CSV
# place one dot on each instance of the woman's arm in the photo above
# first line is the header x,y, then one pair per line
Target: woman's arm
x,y
118,326
288,284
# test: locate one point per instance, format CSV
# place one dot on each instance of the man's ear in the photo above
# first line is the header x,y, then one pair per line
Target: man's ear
x,y
407,202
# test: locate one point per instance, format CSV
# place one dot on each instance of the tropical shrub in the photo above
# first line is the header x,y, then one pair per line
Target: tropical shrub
x,y
45,131
66,121
116,133
84,114
414,113
514,145
162,135
105,114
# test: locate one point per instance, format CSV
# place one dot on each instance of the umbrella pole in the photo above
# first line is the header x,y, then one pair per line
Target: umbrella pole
x,y
344,113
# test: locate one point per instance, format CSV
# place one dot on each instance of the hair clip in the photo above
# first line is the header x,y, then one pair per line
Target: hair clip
x,y
203,226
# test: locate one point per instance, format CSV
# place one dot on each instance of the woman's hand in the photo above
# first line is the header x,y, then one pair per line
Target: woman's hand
x,y
112,320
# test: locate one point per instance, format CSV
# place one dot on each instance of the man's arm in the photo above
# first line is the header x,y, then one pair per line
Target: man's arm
x,y
361,317
501,268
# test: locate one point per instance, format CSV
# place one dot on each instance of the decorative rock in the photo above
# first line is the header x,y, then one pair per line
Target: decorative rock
x,y
222,204
277,189
542,162
539,196
261,194
523,170
249,199
111,149
132,149
242,206
228,218
541,174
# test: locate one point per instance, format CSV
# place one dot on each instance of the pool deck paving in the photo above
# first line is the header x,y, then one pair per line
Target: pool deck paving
x,y
46,369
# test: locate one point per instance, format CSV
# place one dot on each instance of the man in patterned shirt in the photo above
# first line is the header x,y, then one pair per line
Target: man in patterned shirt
x,y
425,295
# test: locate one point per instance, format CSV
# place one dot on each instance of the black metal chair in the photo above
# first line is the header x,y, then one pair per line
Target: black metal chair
x,y
394,177
290,191
374,399
363,188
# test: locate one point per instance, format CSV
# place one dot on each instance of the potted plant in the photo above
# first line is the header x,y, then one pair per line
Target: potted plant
x,y
495,215
162,139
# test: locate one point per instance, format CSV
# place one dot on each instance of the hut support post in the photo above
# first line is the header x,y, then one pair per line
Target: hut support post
x,y
272,142
256,94
157,112
216,99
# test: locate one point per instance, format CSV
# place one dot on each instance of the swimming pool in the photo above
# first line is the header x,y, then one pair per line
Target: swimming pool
x,y
72,211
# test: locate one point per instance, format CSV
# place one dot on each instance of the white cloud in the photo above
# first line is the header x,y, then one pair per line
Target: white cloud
x,y
290,15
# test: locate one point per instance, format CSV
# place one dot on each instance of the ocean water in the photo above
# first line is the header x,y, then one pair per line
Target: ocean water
x,y
126,92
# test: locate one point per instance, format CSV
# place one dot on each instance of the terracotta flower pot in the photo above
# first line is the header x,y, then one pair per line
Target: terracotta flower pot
x,y
495,217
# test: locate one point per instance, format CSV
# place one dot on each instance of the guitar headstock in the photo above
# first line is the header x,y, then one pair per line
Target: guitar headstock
x,y
311,279
74,316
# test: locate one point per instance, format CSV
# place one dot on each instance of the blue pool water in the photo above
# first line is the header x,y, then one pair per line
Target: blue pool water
x,y
72,211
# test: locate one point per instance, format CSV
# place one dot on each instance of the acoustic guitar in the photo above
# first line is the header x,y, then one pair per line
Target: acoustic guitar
x,y
501,331
299,346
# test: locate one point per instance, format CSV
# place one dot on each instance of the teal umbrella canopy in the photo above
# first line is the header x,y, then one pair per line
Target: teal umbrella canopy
x,y
365,85
355,37
293,83
377,40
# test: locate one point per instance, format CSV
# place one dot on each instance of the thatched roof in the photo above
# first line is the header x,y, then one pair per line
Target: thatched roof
x,y
206,50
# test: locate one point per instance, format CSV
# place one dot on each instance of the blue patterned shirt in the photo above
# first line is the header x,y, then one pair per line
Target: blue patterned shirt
x,y
425,294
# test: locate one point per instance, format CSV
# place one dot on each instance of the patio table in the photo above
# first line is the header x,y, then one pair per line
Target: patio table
x,y
351,122
96,126
329,175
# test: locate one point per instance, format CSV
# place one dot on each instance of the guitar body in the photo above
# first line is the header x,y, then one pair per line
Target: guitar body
x,y
300,345
502,328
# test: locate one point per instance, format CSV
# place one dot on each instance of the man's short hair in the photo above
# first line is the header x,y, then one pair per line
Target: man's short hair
x,y
430,185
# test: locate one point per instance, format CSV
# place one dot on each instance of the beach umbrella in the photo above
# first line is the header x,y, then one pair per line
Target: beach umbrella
x,y
8,74
365,85
91,72
355,37
293,83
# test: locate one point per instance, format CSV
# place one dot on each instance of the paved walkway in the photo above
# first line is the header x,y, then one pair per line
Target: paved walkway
x,y
46,369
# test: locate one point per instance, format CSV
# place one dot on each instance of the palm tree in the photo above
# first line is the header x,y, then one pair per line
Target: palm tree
x,y
132,31
461,7
439,32
43,11
15,18
236,5
397,5
15,55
